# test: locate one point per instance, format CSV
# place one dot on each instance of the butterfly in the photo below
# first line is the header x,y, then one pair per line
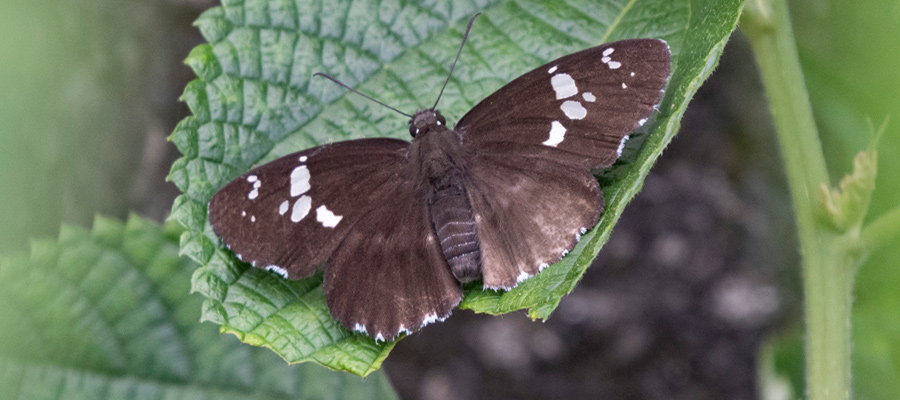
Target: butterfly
x,y
398,226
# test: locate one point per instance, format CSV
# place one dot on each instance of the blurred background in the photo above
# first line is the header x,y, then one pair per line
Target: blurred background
x,y
700,273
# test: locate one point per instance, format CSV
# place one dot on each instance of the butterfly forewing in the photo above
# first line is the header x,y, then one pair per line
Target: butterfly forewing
x,y
290,214
576,109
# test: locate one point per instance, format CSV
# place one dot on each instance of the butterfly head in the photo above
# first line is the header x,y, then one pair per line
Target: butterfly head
x,y
426,120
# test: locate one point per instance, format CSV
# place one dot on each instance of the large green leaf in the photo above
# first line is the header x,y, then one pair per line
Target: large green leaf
x,y
255,100
106,314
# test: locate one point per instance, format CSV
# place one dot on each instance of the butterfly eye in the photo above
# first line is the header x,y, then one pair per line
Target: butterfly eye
x,y
441,120
413,130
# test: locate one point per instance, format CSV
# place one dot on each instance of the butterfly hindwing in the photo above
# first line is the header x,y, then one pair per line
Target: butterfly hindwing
x,y
528,215
576,109
389,276
290,214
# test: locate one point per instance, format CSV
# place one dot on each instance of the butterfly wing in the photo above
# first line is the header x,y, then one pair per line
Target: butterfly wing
x,y
289,215
352,206
543,209
576,109
535,141
389,276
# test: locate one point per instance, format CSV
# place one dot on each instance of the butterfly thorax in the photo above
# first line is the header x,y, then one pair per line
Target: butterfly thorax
x,y
439,164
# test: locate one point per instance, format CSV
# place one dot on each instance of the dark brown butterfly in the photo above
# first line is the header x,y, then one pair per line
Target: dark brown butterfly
x,y
399,225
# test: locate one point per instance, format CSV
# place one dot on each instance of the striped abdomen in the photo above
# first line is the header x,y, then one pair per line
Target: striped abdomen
x,y
454,224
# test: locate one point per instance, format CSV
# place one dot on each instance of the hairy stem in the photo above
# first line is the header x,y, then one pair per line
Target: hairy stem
x,y
828,261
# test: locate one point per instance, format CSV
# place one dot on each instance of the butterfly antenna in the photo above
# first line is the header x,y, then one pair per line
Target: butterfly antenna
x,y
468,28
359,93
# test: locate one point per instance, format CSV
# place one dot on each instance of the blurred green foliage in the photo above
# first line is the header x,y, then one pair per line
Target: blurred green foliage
x,y
70,79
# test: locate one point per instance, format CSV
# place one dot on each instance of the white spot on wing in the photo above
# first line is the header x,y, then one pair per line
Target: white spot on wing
x,y
642,122
284,207
557,134
522,276
624,86
302,158
621,146
252,218
632,74
605,59
543,266
608,51
589,97
243,213
379,337
432,318
360,328
564,86
579,233
301,208
278,270
256,185
299,181
573,109
326,217
551,70
614,65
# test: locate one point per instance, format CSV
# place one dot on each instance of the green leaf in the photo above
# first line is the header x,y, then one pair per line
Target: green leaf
x,y
254,100
106,314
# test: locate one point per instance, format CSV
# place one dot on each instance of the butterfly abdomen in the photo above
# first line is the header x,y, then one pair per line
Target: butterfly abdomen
x,y
454,225
439,164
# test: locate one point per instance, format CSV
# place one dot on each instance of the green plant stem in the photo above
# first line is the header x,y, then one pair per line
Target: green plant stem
x,y
884,230
828,261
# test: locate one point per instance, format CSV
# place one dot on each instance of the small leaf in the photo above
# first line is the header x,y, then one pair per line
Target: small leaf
x,y
106,314
265,104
